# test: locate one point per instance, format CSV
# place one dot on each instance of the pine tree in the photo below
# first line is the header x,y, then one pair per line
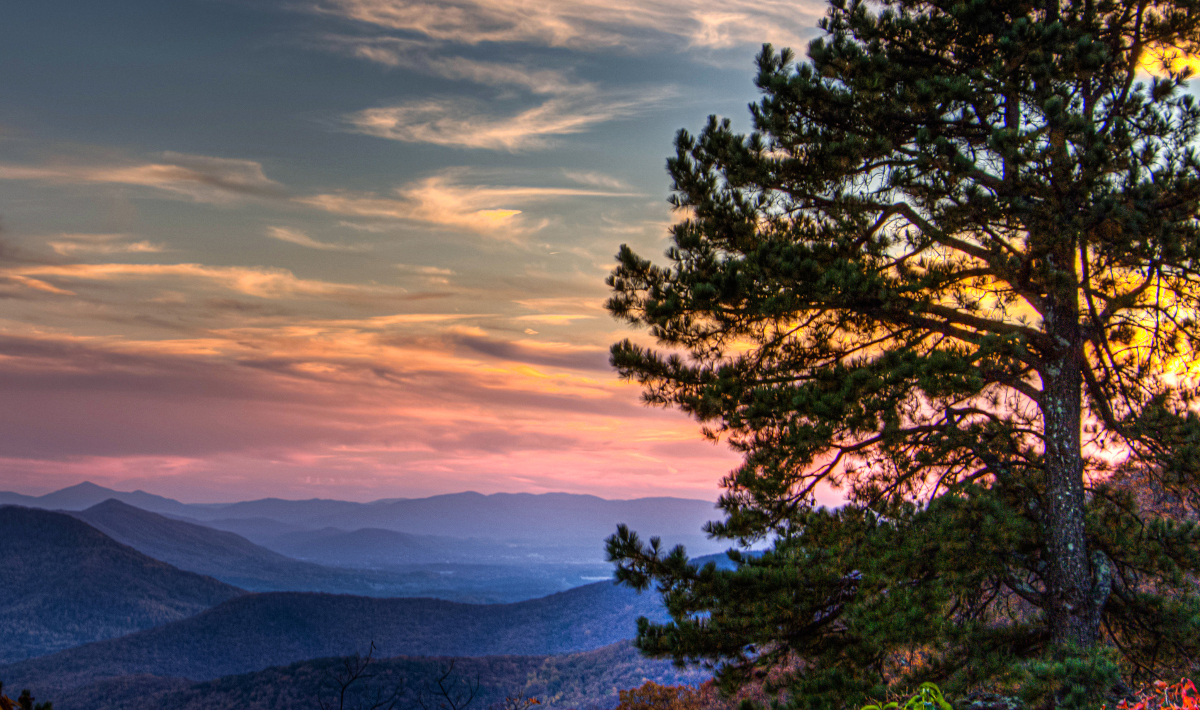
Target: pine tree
x,y
953,273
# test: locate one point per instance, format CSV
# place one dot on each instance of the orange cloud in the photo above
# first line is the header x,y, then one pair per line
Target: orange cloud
x,y
428,414
295,236
261,282
443,200
73,244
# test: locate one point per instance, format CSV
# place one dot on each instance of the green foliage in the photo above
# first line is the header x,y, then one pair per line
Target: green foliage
x,y
928,697
954,272
1068,678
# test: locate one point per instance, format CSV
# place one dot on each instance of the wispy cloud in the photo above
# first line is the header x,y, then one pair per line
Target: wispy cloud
x,y
428,58
572,106
77,244
295,236
261,282
425,270
595,179
440,199
463,123
431,274
199,177
591,24
555,355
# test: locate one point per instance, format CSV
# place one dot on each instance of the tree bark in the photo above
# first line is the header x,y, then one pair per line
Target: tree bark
x,y
1071,608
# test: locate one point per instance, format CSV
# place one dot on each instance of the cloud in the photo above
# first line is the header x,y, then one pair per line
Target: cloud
x,y
198,177
418,398
385,50
425,270
465,123
72,244
374,228
325,388
537,81
579,304
294,236
554,318
260,282
556,355
426,57
431,274
591,24
595,179
440,199
573,106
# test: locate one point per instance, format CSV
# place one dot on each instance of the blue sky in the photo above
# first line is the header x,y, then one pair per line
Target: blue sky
x,y
348,248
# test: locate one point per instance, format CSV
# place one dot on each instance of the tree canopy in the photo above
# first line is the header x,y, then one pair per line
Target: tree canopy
x,y
951,273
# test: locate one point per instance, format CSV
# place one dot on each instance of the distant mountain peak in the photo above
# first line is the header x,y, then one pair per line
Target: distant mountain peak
x,y
86,486
114,504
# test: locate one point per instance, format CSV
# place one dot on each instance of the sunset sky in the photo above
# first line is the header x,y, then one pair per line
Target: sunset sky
x,y
346,248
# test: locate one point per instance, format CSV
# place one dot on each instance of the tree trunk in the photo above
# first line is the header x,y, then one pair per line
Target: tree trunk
x,y
1071,608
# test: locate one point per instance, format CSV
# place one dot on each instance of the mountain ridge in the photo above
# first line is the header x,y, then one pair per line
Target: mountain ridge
x,y
565,527
67,583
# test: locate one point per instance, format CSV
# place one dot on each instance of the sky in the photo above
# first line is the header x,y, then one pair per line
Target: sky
x,y
347,249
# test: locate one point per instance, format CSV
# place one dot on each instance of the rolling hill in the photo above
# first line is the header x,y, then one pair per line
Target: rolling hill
x,y
66,584
375,547
196,548
257,631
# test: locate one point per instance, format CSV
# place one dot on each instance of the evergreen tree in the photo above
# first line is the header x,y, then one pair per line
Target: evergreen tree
x,y
953,272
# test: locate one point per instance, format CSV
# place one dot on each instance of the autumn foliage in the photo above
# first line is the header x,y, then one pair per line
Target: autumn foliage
x,y
1161,696
652,696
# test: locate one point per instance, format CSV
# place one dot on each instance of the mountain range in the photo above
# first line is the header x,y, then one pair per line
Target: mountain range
x,y
87,494
549,527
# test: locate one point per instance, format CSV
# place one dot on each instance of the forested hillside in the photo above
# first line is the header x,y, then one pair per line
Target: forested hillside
x,y
258,631
581,680
66,583
196,548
